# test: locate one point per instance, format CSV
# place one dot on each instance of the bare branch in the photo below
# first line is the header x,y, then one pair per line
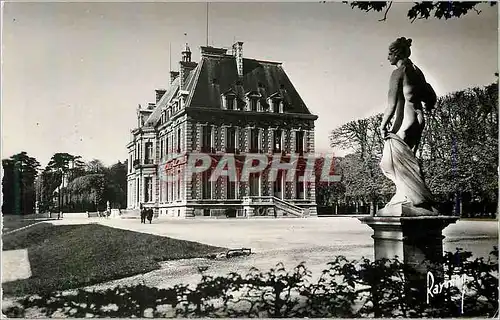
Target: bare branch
x,y
386,11
419,18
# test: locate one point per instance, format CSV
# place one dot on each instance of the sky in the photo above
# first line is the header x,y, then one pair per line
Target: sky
x,y
73,74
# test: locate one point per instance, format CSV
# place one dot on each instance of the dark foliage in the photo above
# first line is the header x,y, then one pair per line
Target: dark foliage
x,y
18,184
85,187
424,9
345,289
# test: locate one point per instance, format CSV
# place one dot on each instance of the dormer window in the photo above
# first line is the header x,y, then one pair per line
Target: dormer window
x,y
230,103
276,102
253,104
277,106
253,101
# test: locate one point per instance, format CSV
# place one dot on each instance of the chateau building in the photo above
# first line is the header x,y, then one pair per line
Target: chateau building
x,y
223,104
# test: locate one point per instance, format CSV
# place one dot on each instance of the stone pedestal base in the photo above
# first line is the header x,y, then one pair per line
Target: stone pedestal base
x,y
412,239
416,241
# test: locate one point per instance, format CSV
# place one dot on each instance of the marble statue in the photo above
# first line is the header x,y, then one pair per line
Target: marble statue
x,y
409,94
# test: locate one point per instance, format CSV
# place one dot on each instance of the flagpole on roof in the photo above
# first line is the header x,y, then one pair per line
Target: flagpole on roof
x,y
170,56
207,24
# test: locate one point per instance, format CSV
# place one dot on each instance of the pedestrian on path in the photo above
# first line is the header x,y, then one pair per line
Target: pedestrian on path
x,y
143,214
150,215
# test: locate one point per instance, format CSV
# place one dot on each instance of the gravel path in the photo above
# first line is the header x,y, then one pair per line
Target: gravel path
x,y
15,265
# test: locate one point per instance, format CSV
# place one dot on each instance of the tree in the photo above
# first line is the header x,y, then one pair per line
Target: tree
x,y
424,9
88,192
92,190
117,174
329,193
65,162
62,168
18,185
460,145
95,166
361,174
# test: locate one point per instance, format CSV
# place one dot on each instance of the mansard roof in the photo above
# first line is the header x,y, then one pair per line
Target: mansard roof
x,y
217,75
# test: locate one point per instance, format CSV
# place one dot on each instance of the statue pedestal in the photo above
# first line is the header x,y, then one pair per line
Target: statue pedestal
x,y
413,239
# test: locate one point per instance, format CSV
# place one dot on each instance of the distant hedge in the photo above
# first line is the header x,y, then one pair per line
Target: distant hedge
x,y
359,288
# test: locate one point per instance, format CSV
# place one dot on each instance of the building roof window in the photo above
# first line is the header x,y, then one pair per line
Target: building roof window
x,y
229,100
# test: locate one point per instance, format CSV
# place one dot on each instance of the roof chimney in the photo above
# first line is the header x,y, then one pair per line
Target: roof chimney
x,y
186,54
159,94
238,53
185,66
173,75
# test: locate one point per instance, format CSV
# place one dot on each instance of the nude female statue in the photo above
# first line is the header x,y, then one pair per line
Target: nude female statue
x,y
409,93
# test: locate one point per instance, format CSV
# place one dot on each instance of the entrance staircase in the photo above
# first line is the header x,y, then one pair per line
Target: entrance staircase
x,y
269,206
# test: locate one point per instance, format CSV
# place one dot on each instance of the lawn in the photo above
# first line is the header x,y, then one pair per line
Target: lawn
x,y
10,224
72,256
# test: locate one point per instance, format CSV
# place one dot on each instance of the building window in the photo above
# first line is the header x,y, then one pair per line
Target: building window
x,y
166,145
278,185
253,104
138,190
178,185
299,186
171,196
276,106
206,185
130,163
167,183
148,189
254,183
230,105
277,145
299,142
230,187
254,140
148,157
178,140
161,191
231,140
206,139
161,147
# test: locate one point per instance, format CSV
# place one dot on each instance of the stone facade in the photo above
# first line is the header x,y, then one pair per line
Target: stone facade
x,y
235,109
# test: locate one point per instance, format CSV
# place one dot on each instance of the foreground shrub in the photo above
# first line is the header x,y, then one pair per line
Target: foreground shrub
x,y
345,288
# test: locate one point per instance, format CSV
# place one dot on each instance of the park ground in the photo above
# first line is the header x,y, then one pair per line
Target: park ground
x,y
315,241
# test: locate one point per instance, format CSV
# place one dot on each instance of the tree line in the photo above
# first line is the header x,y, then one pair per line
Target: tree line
x,y
66,184
458,154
